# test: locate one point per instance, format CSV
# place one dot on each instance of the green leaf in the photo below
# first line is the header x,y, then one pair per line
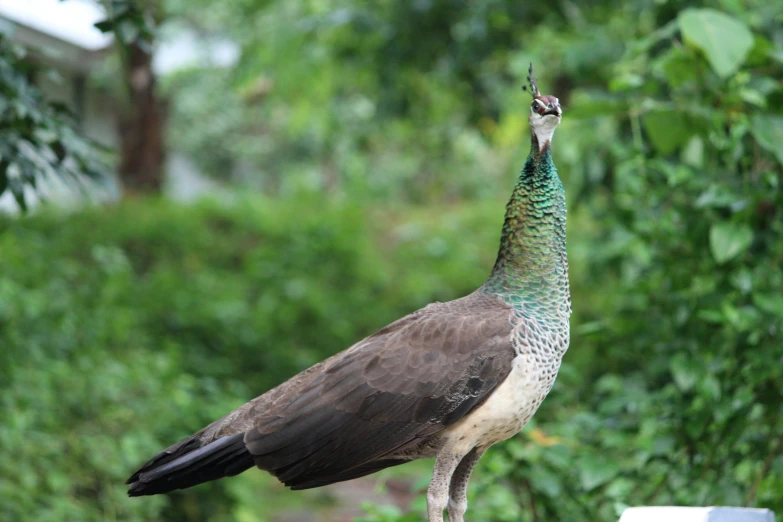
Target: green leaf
x,y
728,240
620,488
546,482
684,372
709,386
718,196
594,471
104,26
768,131
724,40
770,303
710,316
693,153
667,130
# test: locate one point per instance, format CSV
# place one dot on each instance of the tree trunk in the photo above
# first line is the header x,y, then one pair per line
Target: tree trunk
x,y
141,127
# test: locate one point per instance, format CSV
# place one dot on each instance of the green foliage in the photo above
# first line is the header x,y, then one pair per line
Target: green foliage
x,y
728,240
724,40
131,21
38,138
768,131
385,99
124,329
387,514
671,391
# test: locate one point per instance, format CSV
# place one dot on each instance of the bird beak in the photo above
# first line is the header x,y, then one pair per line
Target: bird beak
x,y
553,108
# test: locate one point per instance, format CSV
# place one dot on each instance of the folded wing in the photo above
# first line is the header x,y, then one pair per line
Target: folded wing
x,y
360,410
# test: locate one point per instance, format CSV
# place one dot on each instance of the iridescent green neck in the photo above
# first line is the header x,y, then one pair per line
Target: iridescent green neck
x,y
531,271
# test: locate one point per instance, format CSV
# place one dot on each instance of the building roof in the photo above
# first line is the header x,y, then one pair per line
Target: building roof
x,y
72,21
65,32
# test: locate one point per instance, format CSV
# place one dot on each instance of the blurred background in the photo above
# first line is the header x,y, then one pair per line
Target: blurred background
x,y
238,189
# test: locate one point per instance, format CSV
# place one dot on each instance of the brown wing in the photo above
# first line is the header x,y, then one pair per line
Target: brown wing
x,y
351,414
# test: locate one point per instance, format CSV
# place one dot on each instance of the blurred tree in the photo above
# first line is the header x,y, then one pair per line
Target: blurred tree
x,y
327,95
142,117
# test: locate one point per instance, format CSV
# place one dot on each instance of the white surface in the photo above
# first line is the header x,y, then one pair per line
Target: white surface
x,y
71,21
666,514
696,514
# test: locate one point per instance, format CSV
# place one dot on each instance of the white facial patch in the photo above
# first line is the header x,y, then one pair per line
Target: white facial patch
x,y
544,127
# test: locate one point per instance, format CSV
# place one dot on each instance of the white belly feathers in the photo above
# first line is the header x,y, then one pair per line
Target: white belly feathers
x,y
507,410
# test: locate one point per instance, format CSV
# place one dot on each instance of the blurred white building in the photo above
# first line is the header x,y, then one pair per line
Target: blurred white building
x,y
61,36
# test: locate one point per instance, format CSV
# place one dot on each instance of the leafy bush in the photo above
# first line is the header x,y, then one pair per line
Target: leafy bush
x,y
671,392
38,138
126,328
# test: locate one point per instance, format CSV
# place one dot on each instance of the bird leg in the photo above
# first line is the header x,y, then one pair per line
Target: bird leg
x,y
458,489
438,491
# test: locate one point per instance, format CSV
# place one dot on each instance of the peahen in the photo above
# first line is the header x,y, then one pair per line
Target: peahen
x,y
447,381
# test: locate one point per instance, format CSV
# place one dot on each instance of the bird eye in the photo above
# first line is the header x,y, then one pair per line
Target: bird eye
x,y
535,105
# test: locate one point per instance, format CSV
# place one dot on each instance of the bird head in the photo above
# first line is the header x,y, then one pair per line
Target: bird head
x,y
545,112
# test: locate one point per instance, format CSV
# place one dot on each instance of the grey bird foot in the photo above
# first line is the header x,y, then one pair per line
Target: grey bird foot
x,y
435,507
456,510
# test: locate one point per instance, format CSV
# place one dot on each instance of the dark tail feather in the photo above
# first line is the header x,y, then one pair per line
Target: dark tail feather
x,y
188,463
